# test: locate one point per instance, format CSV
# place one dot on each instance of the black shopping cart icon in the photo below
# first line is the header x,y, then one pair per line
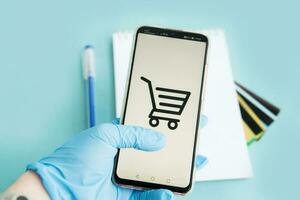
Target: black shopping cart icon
x,y
168,106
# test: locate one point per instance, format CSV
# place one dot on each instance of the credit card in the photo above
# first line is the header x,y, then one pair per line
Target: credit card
x,y
257,113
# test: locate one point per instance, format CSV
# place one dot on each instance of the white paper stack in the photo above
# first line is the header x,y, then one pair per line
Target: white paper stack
x,y
222,140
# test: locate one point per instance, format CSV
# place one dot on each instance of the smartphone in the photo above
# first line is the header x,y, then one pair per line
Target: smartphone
x,y
164,92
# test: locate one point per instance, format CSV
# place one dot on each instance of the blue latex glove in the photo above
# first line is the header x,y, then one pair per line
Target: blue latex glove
x,y
82,168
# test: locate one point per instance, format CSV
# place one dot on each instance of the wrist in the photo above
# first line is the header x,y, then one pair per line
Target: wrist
x,y
29,185
12,196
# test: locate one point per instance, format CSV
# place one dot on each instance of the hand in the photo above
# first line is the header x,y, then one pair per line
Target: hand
x,y
82,168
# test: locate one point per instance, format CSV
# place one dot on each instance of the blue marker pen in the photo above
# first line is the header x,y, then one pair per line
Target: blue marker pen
x,y
89,72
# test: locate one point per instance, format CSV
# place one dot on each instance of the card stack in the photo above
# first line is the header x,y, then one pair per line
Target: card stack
x,y
257,113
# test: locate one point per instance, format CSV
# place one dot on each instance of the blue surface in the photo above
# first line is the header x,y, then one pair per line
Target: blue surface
x,y
42,92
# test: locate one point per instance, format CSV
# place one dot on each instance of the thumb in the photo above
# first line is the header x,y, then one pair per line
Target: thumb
x,y
122,136
152,194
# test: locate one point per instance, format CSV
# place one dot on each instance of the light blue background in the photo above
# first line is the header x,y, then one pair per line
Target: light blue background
x,y
42,94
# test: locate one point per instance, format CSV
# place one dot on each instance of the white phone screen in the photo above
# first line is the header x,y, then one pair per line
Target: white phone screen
x,y
164,94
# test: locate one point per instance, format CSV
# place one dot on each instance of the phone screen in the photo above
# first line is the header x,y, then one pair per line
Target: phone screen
x,y
164,93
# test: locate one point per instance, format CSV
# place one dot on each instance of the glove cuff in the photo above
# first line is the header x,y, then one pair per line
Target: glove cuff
x,y
50,178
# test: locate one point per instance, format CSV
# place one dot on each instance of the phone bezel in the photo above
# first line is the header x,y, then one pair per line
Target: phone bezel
x,y
163,32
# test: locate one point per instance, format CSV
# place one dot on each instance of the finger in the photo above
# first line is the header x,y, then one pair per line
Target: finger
x,y
139,138
116,120
203,121
152,194
121,136
201,161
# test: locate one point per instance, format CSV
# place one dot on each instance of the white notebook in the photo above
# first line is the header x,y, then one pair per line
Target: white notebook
x,y
222,139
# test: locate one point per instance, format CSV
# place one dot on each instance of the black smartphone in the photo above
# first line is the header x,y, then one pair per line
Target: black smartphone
x,y
164,92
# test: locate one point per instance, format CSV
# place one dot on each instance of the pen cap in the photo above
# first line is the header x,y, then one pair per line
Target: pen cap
x,y
89,66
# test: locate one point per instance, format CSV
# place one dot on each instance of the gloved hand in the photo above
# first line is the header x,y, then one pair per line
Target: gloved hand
x,y
82,168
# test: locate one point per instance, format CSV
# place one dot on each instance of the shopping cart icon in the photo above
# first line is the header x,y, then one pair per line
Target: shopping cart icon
x,y
168,106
